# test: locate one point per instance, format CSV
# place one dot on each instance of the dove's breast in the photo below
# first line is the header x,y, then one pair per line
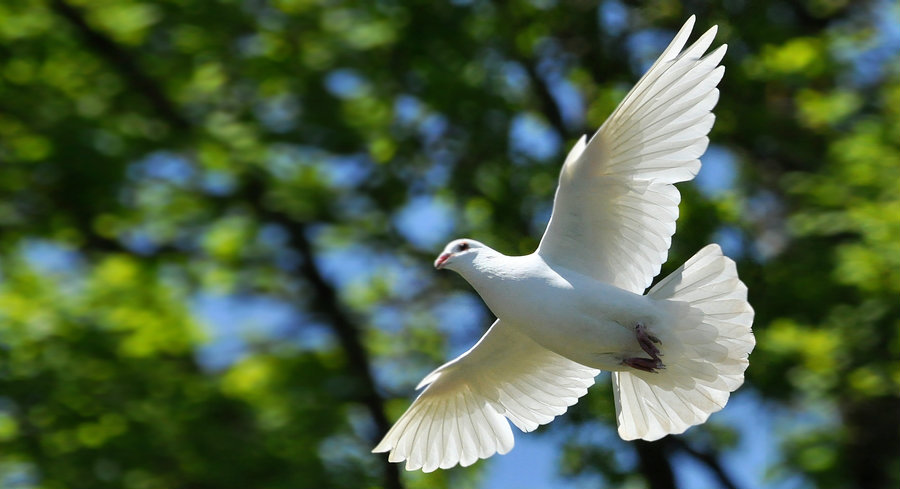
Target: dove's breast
x,y
573,315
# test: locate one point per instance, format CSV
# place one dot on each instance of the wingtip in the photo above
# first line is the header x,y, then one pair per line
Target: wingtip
x,y
709,35
688,25
382,447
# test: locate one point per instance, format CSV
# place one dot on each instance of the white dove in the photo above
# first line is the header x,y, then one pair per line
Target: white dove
x,y
575,306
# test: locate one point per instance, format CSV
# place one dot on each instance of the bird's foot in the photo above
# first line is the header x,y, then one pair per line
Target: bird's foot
x,y
647,340
646,364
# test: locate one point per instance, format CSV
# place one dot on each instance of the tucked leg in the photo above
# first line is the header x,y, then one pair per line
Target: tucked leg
x,y
647,340
645,364
648,343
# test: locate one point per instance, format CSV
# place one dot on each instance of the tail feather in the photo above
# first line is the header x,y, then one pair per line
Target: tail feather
x,y
705,351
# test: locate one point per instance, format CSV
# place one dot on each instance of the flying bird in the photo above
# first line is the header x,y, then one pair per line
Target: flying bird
x,y
577,306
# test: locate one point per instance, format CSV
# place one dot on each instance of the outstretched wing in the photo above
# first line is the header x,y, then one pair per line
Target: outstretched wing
x,y
461,415
616,205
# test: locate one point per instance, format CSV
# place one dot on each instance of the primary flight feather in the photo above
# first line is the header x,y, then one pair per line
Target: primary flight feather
x,y
576,305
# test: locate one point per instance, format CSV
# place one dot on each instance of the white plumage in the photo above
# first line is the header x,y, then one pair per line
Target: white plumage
x,y
461,416
574,306
707,360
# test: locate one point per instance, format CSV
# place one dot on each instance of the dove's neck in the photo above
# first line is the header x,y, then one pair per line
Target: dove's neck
x,y
497,278
489,265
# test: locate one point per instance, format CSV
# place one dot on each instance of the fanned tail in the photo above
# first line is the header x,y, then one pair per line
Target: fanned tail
x,y
705,355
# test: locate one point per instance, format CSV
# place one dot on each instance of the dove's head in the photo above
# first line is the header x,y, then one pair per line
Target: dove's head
x,y
458,253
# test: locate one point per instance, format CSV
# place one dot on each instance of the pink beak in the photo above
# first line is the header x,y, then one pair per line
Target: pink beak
x,y
441,259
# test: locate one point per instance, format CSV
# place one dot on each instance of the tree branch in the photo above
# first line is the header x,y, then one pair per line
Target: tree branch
x,y
325,300
549,106
324,296
654,464
708,459
123,62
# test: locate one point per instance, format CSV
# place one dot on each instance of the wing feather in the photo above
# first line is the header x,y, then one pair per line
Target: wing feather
x,y
461,414
615,208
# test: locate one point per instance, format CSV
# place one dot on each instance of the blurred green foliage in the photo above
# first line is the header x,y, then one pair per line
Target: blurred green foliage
x,y
153,154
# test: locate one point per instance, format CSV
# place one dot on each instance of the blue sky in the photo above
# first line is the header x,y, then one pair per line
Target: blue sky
x,y
533,462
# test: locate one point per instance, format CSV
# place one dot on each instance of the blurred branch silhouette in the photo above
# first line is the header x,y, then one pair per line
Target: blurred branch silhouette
x,y
124,62
325,299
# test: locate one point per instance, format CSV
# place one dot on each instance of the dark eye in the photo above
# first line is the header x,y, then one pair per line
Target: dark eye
x,y
463,246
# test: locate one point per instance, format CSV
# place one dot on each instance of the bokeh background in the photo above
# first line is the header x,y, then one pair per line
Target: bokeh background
x,y
217,223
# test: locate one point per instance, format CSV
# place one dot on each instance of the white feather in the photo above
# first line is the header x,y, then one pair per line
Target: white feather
x,y
714,339
461,415
605,221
